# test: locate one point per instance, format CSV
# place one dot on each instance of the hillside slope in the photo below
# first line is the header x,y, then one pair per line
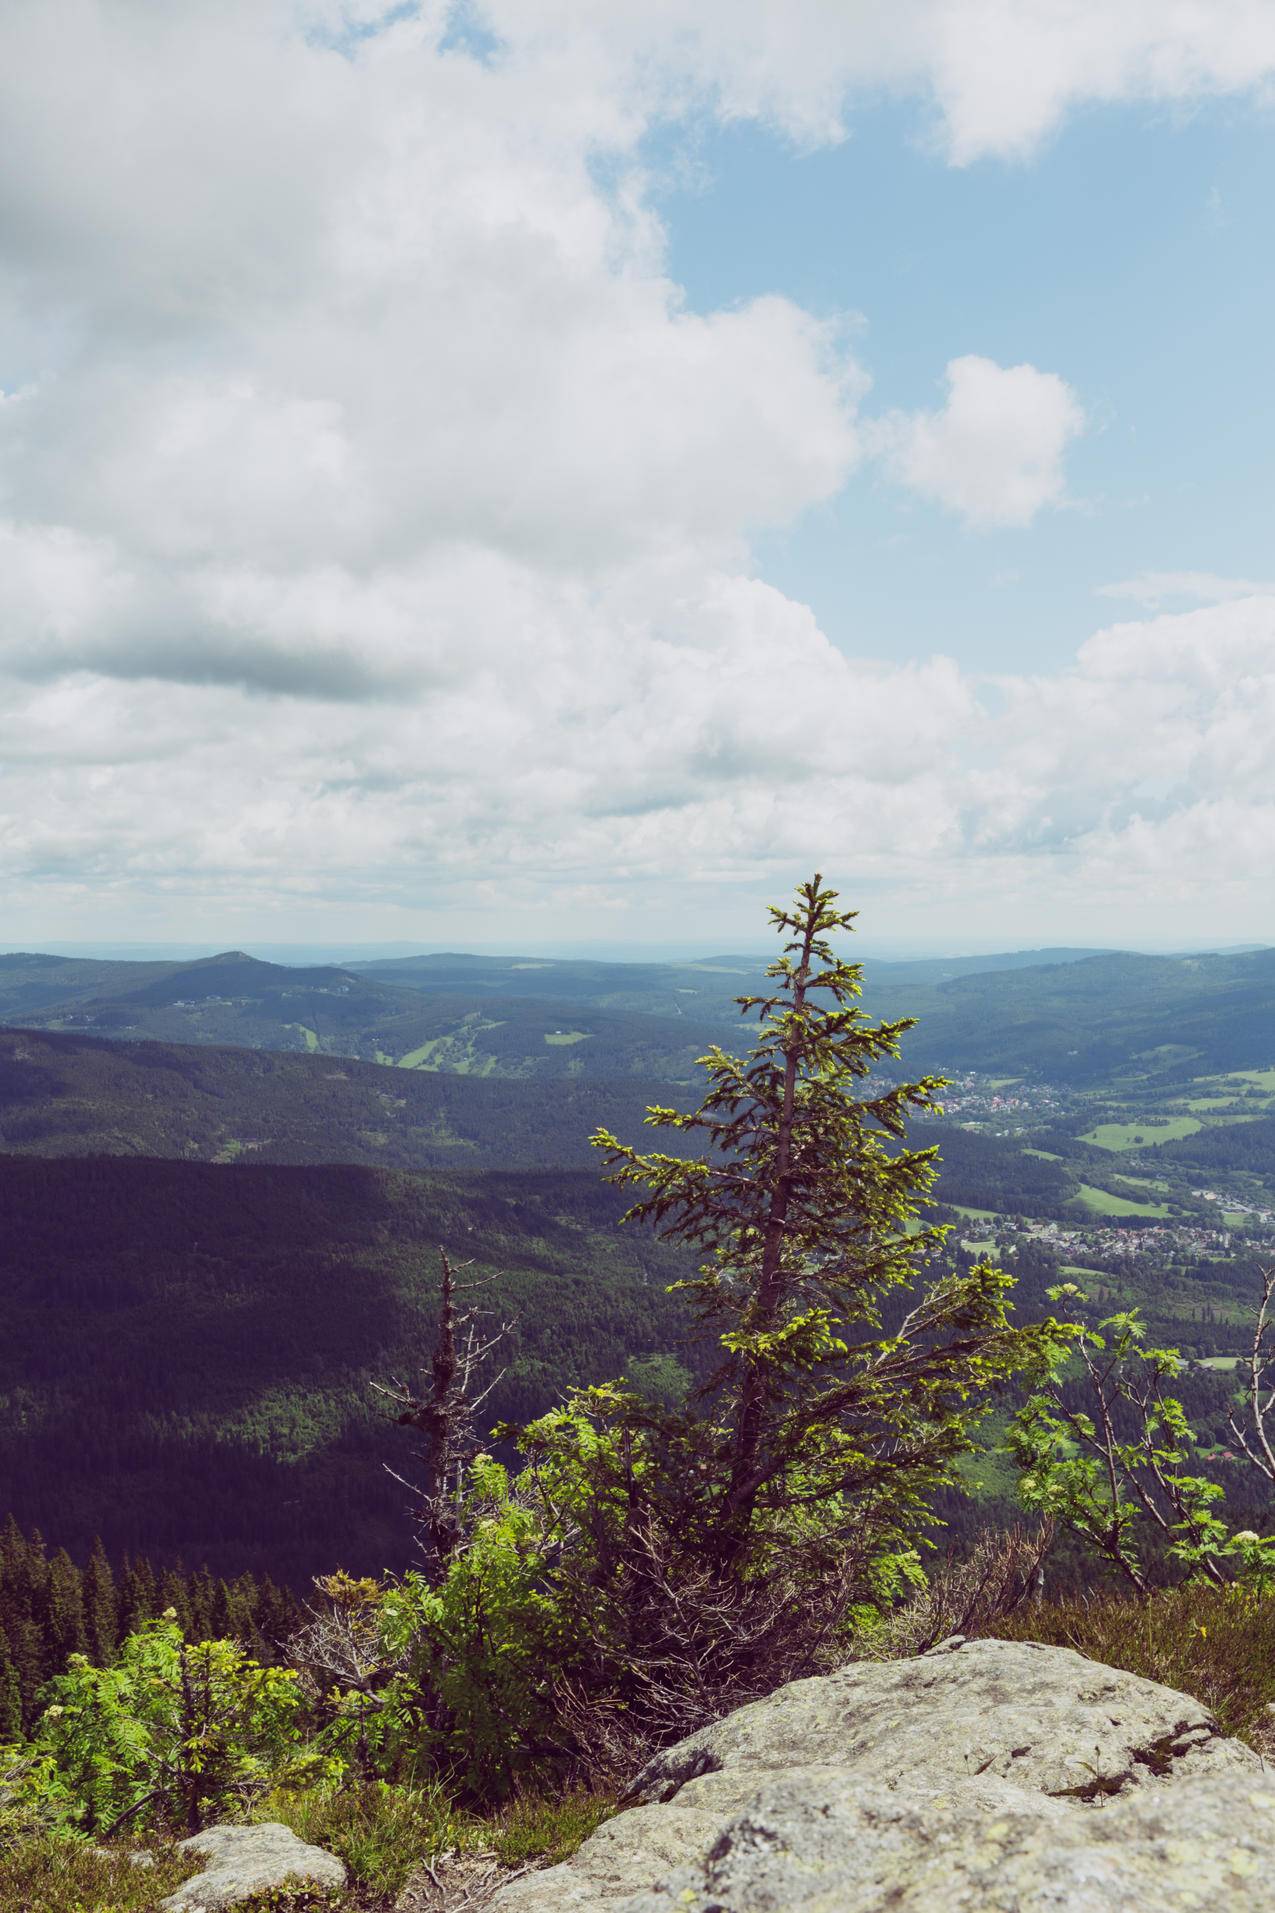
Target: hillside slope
x,y
188,1350
63,1094
1102,1019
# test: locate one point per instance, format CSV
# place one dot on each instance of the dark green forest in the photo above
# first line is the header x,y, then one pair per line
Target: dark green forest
x,y
188,1351
52,1606
82,1095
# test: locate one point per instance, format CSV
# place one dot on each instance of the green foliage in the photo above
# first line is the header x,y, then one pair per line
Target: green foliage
x,y
1126,1459
381,1831
170,1735
838,1406
478,1648
39,1592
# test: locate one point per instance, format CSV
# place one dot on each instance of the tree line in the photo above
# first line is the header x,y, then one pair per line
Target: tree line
x,y
52,1607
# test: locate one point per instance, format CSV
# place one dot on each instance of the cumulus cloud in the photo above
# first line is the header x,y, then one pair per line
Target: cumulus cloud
x,y
997,75
375,514
993,452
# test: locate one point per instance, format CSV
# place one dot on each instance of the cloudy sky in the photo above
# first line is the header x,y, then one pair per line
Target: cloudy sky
x,y
550,469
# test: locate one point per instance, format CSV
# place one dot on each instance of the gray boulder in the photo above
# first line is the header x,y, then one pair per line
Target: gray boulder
x,y
964,1780
242,1861
822,1843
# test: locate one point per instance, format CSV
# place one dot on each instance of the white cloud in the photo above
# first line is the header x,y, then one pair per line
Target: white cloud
x,y
1156,588
375,515
998,75
994,451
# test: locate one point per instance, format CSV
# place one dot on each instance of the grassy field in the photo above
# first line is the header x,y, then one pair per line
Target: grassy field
x,y
1046,1155
419,1058
559,1039
1255,1086
1103,1204
1144,1134
978,1243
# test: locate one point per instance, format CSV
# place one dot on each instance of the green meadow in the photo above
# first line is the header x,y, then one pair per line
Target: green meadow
x,y
1101,1203
1143,1134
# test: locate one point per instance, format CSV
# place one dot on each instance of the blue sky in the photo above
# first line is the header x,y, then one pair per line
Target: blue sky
x,y
1134,254
542,471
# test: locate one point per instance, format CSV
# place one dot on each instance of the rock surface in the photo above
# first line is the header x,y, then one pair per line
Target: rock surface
x,y
242,1861
997,1776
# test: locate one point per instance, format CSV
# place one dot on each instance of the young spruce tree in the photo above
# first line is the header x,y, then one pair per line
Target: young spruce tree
x,y
654,1564
853,1369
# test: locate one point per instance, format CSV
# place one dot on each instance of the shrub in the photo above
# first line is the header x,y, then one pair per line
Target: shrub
x,y
478,1648
1125,1462
171,1735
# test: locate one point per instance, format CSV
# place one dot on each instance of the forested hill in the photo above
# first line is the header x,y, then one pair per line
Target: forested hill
x,y
81,1095
188,1350
1098,1020
78,1096
234,999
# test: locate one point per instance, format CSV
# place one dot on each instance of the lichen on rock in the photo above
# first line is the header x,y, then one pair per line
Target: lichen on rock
x,y
242,1862
995,1775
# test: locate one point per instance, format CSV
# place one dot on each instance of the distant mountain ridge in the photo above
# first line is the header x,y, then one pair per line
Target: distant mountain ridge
x,y
233,998
1057,1015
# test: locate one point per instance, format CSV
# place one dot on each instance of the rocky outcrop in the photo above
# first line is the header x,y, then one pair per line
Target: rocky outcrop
x,y
989,1777
244,1861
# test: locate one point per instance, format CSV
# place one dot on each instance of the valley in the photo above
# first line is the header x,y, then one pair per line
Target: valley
x,y
223,1185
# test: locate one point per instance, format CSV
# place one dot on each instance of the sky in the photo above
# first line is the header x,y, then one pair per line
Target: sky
x,y
550,471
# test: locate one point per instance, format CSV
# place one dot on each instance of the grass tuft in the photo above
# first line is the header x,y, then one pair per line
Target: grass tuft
x,y
546,1830
382,1832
